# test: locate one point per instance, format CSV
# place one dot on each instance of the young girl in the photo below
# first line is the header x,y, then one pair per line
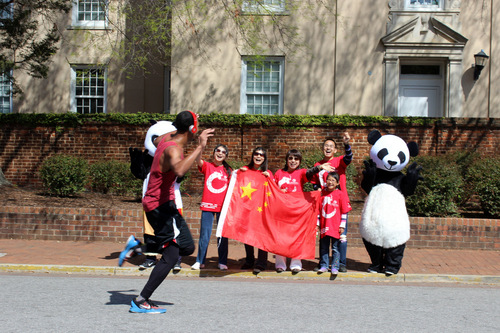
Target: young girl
x,y
257,164
334,203
292,179
217,174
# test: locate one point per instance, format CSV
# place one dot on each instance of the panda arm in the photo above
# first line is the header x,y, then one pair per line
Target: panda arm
x,y
140,163
369,175
409,182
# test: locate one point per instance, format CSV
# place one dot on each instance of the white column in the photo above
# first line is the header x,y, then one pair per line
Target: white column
x,y
455,96
391,89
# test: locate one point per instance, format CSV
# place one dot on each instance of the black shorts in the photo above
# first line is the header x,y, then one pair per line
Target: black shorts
x,y
170,226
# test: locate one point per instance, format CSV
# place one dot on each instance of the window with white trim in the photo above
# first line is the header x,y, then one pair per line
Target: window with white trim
x,y
90,13
421,89
263,6
5,93
262,86
424,4
88,89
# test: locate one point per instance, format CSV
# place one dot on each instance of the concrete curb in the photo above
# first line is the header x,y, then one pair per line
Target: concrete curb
x,y
208,273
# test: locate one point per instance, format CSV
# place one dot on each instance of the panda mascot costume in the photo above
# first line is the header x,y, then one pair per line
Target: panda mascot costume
x,y
385,225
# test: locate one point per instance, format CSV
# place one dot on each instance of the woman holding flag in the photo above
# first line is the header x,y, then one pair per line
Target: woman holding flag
x,y
257,164
291,179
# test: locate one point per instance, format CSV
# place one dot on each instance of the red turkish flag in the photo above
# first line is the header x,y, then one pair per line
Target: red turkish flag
x,y
256,212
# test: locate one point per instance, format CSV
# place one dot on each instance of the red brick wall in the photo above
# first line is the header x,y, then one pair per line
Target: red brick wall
x,y
87,224
23,149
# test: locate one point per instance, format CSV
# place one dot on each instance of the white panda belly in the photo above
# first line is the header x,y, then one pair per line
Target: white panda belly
x,y
384,220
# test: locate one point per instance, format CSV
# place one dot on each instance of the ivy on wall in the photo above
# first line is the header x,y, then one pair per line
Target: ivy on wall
x,y
286,121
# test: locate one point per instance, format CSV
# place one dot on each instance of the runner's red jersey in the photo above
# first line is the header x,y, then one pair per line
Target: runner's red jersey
x,y
161,184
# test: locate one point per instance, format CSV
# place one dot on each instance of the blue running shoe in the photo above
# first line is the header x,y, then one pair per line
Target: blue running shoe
x,y
131,243
146,306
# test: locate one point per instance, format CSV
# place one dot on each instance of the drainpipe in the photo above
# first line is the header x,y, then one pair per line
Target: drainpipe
x,y
335,57
491,59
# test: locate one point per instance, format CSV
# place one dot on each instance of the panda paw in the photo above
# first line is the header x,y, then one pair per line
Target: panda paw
x,y
413,172
370,168
369,174
137,162
411,179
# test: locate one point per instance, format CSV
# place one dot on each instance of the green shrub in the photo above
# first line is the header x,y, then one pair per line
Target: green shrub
x,y
236,164
484,176
185,182
64,175
440,191
464,159
114,177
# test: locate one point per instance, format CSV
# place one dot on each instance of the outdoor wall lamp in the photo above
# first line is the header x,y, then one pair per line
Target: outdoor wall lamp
x,y
480,60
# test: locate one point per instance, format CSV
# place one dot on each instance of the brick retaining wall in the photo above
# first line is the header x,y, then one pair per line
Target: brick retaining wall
x,y
23,149
114,225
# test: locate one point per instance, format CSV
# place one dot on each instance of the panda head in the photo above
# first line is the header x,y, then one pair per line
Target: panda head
x,y
390,152
158,129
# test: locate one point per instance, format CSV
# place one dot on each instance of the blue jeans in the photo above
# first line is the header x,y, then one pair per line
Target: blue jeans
x,y
324,252
207,221
342,246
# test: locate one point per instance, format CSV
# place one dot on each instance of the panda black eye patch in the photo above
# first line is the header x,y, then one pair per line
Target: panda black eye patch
x,y
382,153
402,157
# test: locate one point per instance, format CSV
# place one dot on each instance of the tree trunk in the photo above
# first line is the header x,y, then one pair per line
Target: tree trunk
x,y
3,181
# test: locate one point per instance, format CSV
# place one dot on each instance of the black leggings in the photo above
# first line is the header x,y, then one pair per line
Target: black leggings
x,y
167,261
385,259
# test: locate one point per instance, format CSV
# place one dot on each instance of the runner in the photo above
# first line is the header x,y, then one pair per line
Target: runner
x,y
169,226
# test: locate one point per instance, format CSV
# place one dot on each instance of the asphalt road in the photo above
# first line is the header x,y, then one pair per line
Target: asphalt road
x,y
62,303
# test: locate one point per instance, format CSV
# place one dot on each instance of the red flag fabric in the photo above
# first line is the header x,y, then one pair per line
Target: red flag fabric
x,y
256,212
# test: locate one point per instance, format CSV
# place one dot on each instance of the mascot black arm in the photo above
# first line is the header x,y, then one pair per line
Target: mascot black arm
x,y
369,175
409,182
140,162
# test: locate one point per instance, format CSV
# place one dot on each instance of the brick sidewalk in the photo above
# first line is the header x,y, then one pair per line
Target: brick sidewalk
x,y
105,254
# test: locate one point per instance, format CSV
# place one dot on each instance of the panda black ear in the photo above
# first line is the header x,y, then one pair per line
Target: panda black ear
x,y
373,136
152,121
413,148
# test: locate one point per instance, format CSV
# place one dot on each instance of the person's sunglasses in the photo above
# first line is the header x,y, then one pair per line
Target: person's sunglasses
x,y
220,151
258,154
293,158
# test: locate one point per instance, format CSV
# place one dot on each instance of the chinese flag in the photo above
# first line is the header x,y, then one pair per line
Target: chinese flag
x,y
256,212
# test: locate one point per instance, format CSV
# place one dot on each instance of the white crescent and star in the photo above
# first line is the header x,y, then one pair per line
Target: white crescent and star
x,y
211,178
327,201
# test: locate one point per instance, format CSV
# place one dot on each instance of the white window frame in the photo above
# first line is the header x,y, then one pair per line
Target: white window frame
x,y
263,6
75,97
3,80
243,88
89,24
418,6
418,82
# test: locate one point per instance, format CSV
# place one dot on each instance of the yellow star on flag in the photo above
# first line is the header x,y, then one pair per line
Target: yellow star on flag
x,y
259,209
247,191
265,204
